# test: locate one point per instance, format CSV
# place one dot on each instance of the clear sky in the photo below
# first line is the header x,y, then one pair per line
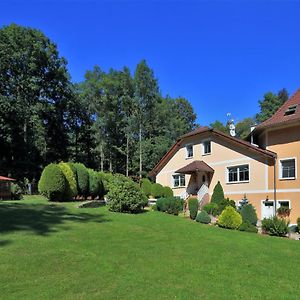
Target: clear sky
x,y
221,55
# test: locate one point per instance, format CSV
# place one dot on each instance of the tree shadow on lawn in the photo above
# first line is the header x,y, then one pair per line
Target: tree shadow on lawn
x,y
38,218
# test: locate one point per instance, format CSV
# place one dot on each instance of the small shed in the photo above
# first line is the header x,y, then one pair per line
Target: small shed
x,y
5,187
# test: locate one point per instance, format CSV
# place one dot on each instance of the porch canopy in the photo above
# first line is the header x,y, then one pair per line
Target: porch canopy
x,y
2,178
196,166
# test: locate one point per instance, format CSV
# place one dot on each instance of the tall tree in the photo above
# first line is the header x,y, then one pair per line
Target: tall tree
x,y
220,126
270,104
243,128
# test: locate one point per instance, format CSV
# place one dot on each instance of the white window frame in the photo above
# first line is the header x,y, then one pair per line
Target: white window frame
x,y
203,147
238,174
280,168
179,186
283,200
186,151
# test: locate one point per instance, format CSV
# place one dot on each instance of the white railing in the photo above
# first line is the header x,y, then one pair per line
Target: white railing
x,y
184,195
201,193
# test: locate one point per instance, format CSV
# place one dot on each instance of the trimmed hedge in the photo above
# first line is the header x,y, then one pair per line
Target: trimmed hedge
x,y
248,214
146,186
193,207
71,189
230,218
170,205
82,179
168,192
157,190
218,194
52,183
248,227
203,217
125,196
95,184
211,208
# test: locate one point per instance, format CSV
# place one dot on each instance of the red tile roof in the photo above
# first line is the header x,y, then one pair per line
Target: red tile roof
x,y
279,118
197,165
6,178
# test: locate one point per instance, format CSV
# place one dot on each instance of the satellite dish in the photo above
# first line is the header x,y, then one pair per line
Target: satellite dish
x,y
231,126
232,132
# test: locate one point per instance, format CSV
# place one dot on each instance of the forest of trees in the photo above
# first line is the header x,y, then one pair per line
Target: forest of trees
x,y
113,121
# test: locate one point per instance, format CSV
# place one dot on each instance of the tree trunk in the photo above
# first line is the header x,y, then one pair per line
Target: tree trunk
x,y
140,139
127,155
101,158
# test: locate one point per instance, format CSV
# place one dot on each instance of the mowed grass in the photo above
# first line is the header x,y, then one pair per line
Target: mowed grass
x,y
57,251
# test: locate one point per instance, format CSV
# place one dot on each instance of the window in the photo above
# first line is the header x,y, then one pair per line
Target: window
x,y
287,168
238,173
284,204
207,147
178,180
291,110
189,151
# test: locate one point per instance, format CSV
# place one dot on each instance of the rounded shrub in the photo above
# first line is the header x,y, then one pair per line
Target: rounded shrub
x,y
170,205
125,196
230,218
146,186
107,179
53,183
157,190
248,214
16,191
167,192
82,179
218,194
193,207
224,203
275,226
94,184
247,226
203,217
71,190
211,208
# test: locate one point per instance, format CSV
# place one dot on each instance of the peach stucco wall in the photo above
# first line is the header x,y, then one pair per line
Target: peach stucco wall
x,y
223,155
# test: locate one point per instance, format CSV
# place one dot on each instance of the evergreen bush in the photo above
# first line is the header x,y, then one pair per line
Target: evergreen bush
x,y
203,217
82,179
248,214
193,207
146,186
16,191
168,192
125,196
170,205
71,189
157,190
275,226
218,194
230,218
211,208
224,203
247,226
53,183
298,224
94,184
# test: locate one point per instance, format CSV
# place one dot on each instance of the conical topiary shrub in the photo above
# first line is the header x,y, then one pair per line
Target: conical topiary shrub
x,y
218,194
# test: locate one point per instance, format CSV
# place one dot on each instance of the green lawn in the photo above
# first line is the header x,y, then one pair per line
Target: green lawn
x,y
57,251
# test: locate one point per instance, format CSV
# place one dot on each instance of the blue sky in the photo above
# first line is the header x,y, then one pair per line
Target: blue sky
x,y
221,55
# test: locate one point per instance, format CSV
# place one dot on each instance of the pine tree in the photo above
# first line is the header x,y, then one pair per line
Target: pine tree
x,y
218,194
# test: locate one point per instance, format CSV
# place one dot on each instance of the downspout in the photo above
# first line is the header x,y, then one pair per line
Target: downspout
x,y
275,196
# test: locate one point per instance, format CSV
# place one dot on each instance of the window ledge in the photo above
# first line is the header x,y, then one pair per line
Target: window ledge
x,y
204,154
189,157
288,178
237,182
178,187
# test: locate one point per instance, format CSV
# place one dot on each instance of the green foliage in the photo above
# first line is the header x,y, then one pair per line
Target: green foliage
x,y
170,205
157,190
220,126
125,196
193,207
82,179
107,179
224,203
248,214
71,190
270,104
95,184
168,192
218,194
16,191
275,226
146,186
53,183
243,127
211,208
230,218
247,226
203,217
298,224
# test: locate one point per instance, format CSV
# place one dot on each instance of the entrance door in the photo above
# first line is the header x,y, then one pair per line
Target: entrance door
x,y
267,209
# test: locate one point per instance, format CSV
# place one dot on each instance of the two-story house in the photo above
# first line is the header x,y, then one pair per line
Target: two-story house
x,y
264,169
